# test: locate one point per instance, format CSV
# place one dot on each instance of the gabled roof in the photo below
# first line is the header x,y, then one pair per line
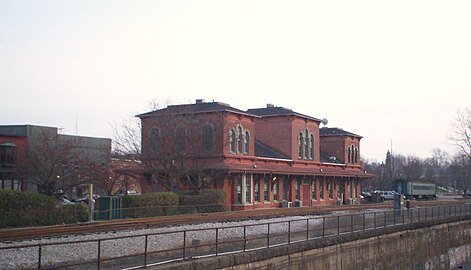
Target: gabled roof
x,y
278,111
262,150
199,107
326,132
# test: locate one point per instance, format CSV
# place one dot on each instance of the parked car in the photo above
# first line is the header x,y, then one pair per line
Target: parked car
x,y
386,195
365,196
132,192
66,201
84,200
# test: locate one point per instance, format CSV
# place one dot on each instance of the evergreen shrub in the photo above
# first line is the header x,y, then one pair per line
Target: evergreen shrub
x,y
207,200
24,209
150,205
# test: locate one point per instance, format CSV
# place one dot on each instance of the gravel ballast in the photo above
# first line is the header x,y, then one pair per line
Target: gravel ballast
x,y
128,243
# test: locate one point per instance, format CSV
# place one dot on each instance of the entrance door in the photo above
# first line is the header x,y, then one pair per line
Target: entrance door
x,y
306,198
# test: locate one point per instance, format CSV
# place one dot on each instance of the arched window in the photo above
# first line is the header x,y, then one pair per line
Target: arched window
x,y
232,140
239,140
207,139
348,154
356,155
353,154
300,146
155,140
246,142
306,144
311,152
180,137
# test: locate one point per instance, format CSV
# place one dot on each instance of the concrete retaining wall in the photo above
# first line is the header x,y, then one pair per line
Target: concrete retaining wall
x,y
421,245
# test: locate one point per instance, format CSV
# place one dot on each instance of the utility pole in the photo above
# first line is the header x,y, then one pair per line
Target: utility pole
x,y
91,202
392,162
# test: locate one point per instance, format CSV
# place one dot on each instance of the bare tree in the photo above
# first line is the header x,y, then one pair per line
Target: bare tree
x,y
180,150
123,175
379,170
55,165
461,131
460,172
439,161
127,139
127,148
410,167
461,137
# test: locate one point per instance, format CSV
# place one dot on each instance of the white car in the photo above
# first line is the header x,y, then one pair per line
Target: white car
x,y
386,195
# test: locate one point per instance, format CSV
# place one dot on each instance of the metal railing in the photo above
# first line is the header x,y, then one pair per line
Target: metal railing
x,y
143,250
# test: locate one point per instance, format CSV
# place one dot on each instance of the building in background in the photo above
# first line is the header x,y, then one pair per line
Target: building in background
x,y
127,177
38,158
261,158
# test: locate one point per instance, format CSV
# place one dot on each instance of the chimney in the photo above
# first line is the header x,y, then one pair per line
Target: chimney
x,y
199,101
270,105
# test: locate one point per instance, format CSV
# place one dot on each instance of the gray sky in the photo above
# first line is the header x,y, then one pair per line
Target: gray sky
x,y
387,70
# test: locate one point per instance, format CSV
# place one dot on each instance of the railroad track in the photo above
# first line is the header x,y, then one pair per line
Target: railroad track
x,y
18,234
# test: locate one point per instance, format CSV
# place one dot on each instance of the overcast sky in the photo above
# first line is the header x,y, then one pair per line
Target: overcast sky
x,y
387,70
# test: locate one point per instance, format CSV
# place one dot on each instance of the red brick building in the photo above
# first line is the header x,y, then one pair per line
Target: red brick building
x,y
34,156
261,158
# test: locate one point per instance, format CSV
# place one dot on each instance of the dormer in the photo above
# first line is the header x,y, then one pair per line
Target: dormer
x,y
289,133
340,144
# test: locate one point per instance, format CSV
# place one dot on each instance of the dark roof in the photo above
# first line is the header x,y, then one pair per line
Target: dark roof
x,y
287,168
199,107
327,159
277,111
262,150
324,132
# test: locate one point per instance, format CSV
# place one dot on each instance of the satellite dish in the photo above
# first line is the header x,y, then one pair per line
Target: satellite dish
x,y
324,121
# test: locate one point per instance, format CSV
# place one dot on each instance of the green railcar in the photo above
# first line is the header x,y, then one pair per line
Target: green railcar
x,y
415,189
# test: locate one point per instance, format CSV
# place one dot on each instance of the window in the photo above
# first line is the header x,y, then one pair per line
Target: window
x,y
298,188
348,154
300,146
350,184
155,140
180,141
313,189
321,189
244,189
311,152
306,144
207,139
246,142
232,140
7,153
354,189
285,189
257,188
275,189
265,189
352,153
7,182
331,192
239,140
248,188
356,155
239,189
